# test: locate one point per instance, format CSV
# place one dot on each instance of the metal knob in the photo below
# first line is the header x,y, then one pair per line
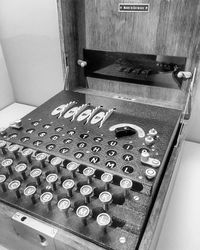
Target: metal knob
x,y
14,186
126,184
14,149
68,185
26,153
36,174
2,146
104,220
87,192
7,164
2,182
52,179
83,212
64,205
89,173
106,198
56,162
149,140
21,169
46,199
152,132
107,178
150,173
145,155
82,63
72,167
30,192
184,74
41,157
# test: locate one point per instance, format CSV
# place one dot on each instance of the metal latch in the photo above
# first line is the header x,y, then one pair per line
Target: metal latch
x,y
187,109
38,233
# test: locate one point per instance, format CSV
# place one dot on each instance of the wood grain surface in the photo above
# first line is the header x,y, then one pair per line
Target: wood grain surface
x,y
169,28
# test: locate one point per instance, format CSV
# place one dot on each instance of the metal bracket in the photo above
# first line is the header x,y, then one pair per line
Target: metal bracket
x,y
36,232
187,110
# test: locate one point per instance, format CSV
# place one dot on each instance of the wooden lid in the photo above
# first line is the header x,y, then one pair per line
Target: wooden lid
x,y
99,26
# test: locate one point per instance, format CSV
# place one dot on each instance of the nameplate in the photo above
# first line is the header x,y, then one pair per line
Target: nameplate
x,y
130,7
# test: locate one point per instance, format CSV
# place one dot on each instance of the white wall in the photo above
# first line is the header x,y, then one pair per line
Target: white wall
x,y
6,92
30,40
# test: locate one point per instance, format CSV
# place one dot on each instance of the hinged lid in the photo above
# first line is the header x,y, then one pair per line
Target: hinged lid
x,y
128,55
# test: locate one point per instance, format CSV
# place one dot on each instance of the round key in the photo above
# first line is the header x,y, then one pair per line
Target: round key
x,y
144,156
46,199
7,164
52,179
87,192
68,185
104,220
106,198
56,162
30,191
126,184
26,153
21,169
89,173
149,140
2,182
83,212
36,174
150,173
64,205
13,149
14,186
41,157
2,146
72,167
107,178
153,132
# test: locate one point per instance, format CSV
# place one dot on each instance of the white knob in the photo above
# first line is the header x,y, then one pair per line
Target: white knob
x,y
150,173
144,156
153,132
184,74
149,140
82,63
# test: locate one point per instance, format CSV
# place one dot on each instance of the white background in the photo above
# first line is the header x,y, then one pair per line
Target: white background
x,y
29,36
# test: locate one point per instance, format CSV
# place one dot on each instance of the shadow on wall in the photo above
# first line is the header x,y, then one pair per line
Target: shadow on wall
x,y
34,67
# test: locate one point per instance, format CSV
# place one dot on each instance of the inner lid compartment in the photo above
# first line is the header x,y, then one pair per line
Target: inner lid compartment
x,y
98,27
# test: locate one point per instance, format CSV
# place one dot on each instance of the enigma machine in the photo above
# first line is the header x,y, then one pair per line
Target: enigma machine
x,y
96,160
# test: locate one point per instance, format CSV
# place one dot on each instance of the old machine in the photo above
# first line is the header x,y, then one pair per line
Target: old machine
x,y
95,161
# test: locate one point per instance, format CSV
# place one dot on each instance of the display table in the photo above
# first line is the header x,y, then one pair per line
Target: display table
x,y
180,228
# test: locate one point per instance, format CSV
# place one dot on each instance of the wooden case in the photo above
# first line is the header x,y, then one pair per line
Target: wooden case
x,y
168,28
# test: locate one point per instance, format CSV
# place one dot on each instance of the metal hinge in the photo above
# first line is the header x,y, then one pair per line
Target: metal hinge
x,y
187,110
